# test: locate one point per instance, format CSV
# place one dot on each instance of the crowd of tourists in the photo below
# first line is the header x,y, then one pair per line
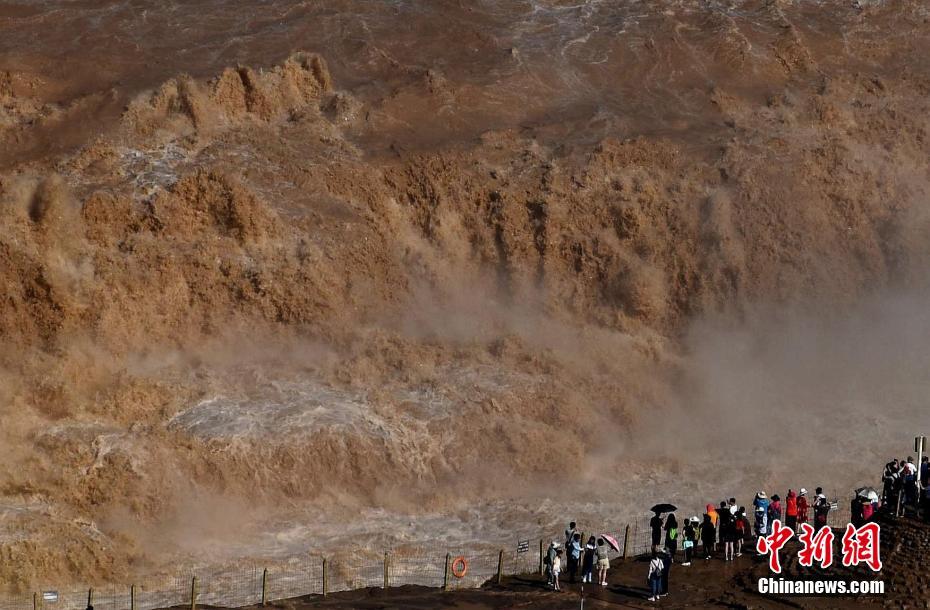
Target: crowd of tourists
x,y
725,527
900,486
591,559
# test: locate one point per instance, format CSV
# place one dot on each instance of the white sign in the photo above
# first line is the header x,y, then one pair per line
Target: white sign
x,y
50,596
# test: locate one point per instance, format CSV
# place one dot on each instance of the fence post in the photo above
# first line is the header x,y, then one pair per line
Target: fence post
x,y
445,573
626,542
264,586
325,583
541,571
387,577
35,601
90,597
500,567
194,593
132,597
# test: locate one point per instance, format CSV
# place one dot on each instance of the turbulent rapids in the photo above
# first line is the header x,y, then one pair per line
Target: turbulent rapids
x,y
372,274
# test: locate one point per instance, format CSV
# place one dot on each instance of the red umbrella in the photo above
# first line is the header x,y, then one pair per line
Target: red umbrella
x,y
611,541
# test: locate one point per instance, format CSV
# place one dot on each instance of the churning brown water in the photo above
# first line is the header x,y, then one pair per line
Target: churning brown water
x,y
282,276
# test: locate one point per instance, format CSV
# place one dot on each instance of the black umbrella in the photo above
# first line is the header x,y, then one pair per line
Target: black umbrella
x,y
664,508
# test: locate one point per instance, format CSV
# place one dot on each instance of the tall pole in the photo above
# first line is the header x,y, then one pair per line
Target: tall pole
x,y
920,441
325,577
626,542
445,574
387,570
194,593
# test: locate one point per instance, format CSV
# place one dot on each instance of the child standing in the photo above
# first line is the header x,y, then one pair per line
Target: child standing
x,y
556,569
691,537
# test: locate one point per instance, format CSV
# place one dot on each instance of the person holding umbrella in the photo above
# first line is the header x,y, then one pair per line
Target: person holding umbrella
x,y
613,544
869,500
603,562
656,523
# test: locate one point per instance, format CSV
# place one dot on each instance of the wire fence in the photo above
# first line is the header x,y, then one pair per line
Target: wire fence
x,y
248,584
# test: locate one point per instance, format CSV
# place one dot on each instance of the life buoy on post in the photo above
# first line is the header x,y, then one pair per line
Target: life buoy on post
x,y
459,567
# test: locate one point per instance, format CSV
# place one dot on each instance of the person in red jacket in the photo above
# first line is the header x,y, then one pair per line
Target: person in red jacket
x,y
791,510
802,507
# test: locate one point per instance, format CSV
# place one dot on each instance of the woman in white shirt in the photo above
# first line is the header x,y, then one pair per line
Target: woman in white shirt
x,y
655,576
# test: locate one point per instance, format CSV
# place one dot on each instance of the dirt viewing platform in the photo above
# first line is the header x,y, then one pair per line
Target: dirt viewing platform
x,y
706,583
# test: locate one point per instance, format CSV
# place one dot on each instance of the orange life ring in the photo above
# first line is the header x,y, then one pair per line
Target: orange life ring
x,y
459,567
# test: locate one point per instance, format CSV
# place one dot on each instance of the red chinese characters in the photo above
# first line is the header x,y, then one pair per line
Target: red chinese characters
x,y
817,547
773,543
861,546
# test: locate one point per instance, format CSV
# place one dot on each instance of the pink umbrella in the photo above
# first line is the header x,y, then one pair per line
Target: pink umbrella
x,y
611,541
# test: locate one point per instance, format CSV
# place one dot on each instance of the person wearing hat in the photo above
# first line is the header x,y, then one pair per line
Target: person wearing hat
x,y
550,558
761,504
803,507
556,569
